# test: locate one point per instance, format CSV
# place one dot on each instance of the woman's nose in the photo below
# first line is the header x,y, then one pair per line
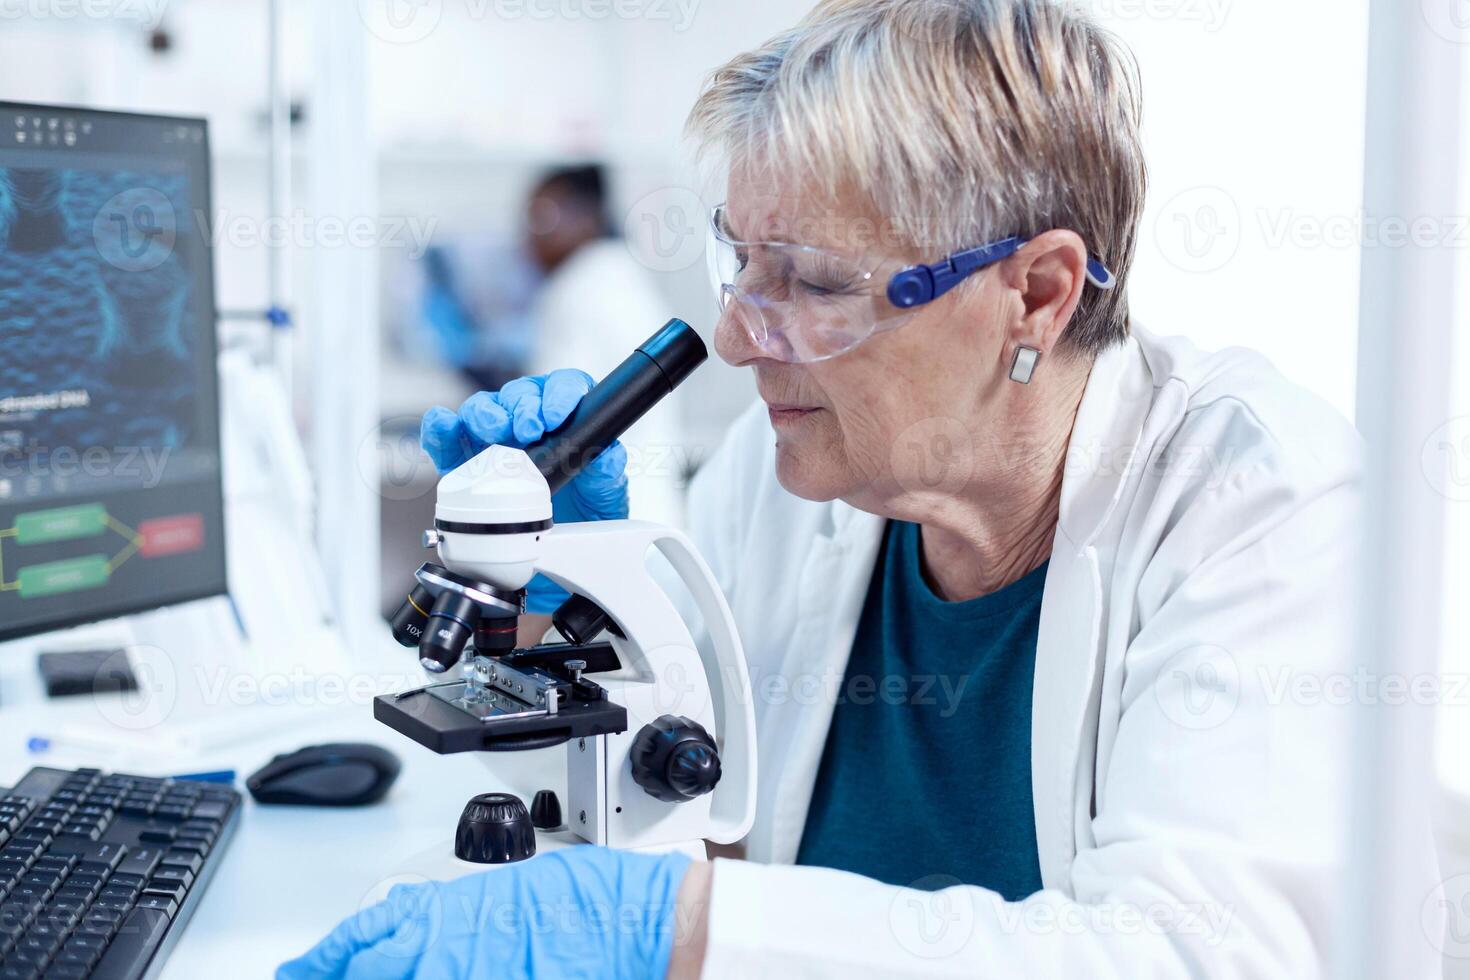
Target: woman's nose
x,y
732,340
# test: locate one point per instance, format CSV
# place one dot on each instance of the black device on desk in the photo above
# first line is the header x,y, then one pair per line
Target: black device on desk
x,y
339,774
111,503
99,873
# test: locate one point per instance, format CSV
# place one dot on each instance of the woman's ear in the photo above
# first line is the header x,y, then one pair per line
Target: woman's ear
x,y
1048,274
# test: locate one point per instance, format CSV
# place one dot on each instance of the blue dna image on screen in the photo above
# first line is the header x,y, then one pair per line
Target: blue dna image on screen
x,y
96,312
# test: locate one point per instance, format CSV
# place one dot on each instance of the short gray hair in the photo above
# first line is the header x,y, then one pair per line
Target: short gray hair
x,y
961,121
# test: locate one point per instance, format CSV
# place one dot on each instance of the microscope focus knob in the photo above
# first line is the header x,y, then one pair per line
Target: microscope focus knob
x,y
494,829
675,759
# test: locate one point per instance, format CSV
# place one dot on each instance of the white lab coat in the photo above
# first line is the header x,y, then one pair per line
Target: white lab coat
x,y
1189,791
591,313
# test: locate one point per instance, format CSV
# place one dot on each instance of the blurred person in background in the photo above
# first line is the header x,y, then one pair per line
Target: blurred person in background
x,y
596,304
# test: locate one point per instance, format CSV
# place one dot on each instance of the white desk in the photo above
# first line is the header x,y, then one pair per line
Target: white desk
x,y
290,873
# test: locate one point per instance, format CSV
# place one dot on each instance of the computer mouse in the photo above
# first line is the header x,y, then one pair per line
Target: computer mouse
x,y
340,774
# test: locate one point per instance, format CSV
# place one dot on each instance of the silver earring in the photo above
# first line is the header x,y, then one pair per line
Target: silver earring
x,y
1024,364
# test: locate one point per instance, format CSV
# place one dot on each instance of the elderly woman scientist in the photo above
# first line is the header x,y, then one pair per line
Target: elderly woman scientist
x,y
1023,588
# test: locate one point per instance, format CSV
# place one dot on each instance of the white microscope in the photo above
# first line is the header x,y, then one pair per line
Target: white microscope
x,y
661,748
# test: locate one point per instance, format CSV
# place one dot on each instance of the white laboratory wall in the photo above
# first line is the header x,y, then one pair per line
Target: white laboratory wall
x,y
1253,126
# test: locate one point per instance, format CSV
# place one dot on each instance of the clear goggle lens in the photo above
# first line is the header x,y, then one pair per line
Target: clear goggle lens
x,y
795,302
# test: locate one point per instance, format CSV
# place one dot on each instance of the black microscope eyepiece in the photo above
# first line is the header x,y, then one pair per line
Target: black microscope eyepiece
x,y
617,401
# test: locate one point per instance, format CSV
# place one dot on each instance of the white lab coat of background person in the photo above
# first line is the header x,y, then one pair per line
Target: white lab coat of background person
x,y
1190,800
593,310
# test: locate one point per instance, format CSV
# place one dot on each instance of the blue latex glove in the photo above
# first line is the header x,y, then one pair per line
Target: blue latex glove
x,y
517,415
578,912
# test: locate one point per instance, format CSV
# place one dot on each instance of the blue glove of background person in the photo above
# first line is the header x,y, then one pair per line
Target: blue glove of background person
x,y
517,415
579,912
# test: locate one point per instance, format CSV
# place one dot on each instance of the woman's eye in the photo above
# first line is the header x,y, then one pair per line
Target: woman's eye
x,y
824,278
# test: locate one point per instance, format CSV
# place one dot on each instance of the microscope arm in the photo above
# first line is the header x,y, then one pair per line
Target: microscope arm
x,y
607,561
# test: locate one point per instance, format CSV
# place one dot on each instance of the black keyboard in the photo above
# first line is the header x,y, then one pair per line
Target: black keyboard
x,y
99,873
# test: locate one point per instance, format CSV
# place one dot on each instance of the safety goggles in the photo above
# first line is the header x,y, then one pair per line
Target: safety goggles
x,y
801,304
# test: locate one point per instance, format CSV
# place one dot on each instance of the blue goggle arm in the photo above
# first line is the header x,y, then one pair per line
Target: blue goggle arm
x,y
919,284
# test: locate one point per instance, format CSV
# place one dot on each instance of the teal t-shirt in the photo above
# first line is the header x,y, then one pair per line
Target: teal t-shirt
x,y
925,780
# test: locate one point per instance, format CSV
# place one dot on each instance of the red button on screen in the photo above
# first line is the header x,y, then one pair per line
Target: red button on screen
x,y
171,535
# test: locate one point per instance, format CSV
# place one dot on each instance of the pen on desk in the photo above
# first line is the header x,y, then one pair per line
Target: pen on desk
x,y
226,776
39,744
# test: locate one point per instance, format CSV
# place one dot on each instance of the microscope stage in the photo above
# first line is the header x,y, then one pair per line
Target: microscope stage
x,y
441,718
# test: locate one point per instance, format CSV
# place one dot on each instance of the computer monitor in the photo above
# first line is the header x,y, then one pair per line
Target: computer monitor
x,y
111,500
